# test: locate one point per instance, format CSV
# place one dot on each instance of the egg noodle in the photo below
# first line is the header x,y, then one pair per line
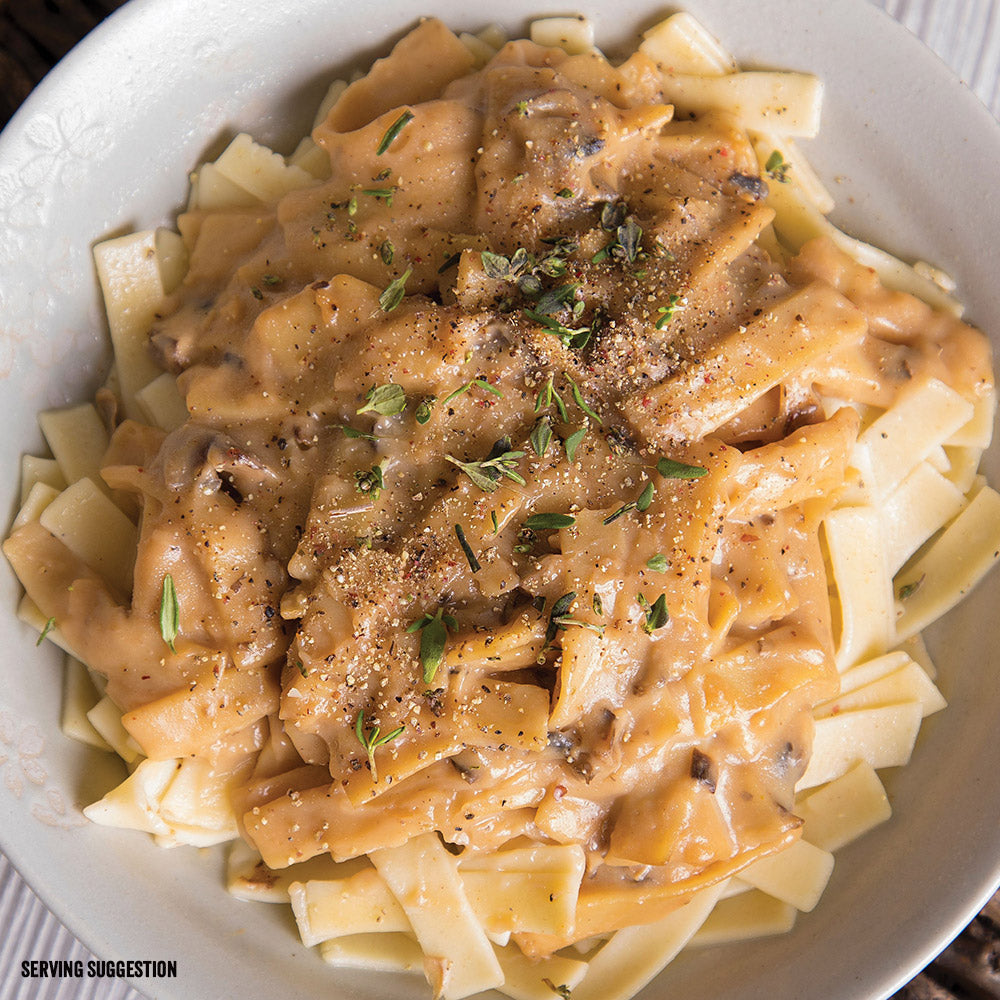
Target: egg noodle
x,y
512,517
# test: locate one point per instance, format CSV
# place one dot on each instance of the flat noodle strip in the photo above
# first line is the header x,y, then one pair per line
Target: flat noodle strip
x,y
744,365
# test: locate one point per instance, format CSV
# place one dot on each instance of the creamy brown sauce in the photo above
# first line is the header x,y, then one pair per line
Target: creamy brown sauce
x,y
668,747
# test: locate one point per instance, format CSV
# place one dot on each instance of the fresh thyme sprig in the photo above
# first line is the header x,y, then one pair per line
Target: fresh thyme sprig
x,y
499,463
641,503
559,618
372,740
477,383
433,631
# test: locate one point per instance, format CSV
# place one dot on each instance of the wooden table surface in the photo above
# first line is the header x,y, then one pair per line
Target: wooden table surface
x,y
34,35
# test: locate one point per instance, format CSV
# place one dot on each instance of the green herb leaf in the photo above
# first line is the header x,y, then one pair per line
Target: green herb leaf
x,y
501,462
301,668
479,383
909,589
372,740
581,402
433,631
388,400
575,338
47,628
541,436
393,131
629,240
495,265
668,311
395,293
555,298
169,612
641,503
547,395
564,193
559,620
387,251
474,564
776,168
656,613
423,411
383,194
669,468
597,604
645,497
370,482
549,522
496,525
573,442
351,432
657,563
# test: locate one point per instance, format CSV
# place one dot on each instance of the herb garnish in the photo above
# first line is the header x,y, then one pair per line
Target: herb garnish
x,y
433,631
371,741
777,168
565,193
670,468
383,194
388,399
395,293
656,613
547,395
370,482
562,990
559,620
626,247
387,251
541,436
450,262
500,462
474,564
477,382
392,131
549,522
640,504
657,563
573,442
351,432
49,625
423,411
575,338
580,401
674,305
169,612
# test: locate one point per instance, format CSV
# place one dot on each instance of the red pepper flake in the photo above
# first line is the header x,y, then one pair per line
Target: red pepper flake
x,y
558,792
749,538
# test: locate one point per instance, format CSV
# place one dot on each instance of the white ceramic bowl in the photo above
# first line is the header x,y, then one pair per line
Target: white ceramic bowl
x,y
104,145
